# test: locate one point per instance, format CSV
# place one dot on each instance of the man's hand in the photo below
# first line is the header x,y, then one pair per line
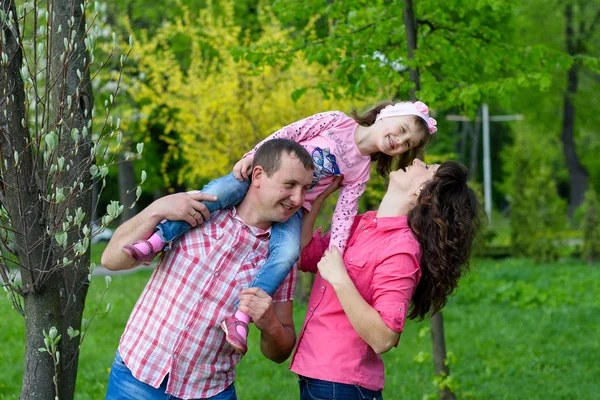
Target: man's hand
x,y
259,306
183,207
243,168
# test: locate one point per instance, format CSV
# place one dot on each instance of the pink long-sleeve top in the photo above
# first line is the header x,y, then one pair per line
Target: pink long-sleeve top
x,y
382,260
329,138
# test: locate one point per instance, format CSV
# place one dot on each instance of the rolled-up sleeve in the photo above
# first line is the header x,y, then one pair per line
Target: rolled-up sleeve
x,y
314,250
394,282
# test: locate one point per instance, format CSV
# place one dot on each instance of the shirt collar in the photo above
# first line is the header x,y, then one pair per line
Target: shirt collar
x,y
386,223
255,231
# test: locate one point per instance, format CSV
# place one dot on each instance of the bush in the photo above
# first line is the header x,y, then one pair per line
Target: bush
x,y
538,214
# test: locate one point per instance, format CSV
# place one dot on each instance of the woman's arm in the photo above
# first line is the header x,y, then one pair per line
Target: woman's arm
x,y
365,319
312,245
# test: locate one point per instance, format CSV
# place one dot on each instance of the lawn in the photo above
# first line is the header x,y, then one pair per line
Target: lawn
x,y
515,330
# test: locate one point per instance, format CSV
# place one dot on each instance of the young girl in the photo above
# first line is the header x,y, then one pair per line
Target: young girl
x,y
339,145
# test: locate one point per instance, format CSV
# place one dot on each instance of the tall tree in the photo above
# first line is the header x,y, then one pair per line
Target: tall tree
x,y
580,30
48,161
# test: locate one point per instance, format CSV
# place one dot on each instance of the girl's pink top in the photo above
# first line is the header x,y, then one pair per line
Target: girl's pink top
x,y
329,138
382,260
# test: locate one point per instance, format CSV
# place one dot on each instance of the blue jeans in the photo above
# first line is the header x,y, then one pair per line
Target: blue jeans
x,y
123,386
229,192
284,246
316,389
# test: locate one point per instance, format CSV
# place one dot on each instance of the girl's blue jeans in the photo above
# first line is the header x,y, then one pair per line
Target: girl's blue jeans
x,y
284,246
122,385
316,389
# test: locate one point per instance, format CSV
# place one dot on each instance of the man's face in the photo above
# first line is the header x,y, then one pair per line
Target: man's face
x,y
282,194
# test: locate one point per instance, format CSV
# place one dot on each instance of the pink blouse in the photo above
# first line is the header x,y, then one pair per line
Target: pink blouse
x,y
382,260
325,135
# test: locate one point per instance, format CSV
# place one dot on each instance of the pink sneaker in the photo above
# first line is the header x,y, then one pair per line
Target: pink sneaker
x,y
237,341
136,255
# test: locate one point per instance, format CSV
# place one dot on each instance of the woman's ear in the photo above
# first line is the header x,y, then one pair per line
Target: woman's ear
x,y
418,191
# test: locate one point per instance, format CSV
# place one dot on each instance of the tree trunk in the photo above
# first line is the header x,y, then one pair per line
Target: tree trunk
x,y
578,176
127,183
437,325
54,279
439,352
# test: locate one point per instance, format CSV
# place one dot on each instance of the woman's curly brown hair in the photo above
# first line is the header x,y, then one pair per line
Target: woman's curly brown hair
x,y
445,221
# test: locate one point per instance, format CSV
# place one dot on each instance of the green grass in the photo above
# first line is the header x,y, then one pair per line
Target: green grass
x,y
515,330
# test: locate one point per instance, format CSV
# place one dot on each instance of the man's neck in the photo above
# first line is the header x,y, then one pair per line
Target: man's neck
x,y
251,215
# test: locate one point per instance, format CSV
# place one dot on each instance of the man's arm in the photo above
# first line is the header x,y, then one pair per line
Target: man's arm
x,y
274,320
180,206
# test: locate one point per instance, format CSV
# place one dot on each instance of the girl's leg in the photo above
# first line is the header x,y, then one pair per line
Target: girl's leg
x,y
229,192
284,250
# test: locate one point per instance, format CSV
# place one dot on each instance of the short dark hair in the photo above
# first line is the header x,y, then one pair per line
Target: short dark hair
x,y
268,156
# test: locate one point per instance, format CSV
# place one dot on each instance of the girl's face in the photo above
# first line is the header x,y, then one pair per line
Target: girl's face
x,y
397,135
413,177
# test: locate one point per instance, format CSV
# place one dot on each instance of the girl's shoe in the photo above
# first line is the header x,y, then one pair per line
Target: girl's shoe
x,y
233,337
133,252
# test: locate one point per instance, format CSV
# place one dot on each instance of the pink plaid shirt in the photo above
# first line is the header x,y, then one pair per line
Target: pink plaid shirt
x,y
174,326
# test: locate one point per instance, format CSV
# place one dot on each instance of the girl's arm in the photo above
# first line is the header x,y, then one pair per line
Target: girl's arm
x,y
299,131
303,130
343,216
371,324
312,245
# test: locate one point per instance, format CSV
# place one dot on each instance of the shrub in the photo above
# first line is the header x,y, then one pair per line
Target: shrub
x,y
538,214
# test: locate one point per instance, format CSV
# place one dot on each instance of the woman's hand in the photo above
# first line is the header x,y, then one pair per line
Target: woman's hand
x,y
243,168
332,268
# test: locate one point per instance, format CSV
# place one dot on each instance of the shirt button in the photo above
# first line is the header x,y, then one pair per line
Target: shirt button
x,y
366,231
216,274
375,220
312,309
352,259
323,287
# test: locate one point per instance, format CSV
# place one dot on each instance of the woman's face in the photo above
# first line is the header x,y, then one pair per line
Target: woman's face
x,y
413,177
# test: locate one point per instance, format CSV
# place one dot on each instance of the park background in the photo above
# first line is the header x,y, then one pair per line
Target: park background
x,y
184,88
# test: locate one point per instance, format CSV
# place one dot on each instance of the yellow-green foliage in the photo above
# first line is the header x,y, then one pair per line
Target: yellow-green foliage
x,y
213,109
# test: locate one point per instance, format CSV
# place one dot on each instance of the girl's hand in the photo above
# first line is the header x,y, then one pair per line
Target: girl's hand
x,y
332,268
243,168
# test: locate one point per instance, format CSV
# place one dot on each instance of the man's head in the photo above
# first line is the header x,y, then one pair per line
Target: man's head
x,y
281,175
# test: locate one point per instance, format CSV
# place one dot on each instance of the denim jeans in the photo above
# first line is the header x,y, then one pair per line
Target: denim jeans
x,y
316,389
229,192
123,386
284,250
284,246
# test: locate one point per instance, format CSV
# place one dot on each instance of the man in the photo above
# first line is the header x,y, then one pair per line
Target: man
x,y
172,344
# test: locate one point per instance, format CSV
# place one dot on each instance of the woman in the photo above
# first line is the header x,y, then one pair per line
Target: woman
x,y
404,258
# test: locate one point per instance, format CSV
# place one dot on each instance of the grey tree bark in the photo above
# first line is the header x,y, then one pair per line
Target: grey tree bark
x,y
127,185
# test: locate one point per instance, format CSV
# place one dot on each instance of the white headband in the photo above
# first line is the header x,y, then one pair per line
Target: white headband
x,y
417,108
